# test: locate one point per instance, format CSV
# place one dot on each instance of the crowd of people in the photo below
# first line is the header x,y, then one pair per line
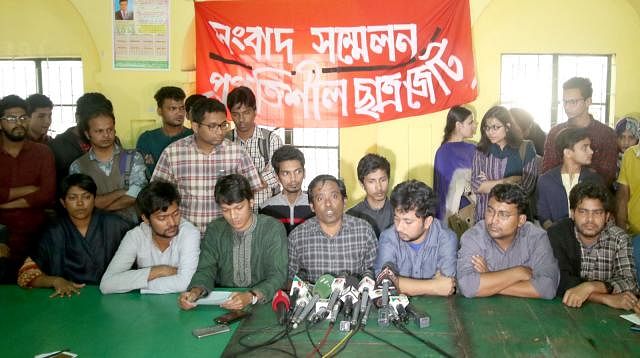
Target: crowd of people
x,y
192,209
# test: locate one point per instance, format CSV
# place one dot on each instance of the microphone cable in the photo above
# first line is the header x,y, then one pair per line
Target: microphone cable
x,y
340,345
316,349
387,342
405,330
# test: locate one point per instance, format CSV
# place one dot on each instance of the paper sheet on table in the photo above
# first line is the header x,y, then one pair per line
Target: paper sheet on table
x,y
633,318
56,354
214,298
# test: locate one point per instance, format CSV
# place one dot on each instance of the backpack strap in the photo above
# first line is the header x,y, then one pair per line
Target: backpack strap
x,y
125,164
264,145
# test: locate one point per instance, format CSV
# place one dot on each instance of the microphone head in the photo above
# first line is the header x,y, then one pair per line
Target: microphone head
x,y
280,298
389,272
351,282
323,286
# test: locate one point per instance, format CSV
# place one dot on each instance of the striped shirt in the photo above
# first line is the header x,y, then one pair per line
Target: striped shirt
x,y
490,167
196,173
291,216
252,146
312,253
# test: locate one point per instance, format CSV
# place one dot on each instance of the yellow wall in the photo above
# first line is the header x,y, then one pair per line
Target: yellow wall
x,y
83,28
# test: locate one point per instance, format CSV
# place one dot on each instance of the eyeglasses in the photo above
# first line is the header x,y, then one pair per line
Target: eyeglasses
x,y
14,119
494,128
212,127
243,114
502,215
572,102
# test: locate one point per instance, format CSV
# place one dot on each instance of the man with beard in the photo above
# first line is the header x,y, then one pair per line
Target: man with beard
x,y
595,257
373,173
504,254
27,185
171,109
76,249
418,245
164,247
119,173
332,241
291,206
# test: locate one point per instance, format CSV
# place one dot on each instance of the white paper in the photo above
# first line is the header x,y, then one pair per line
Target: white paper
x,y
633,318
214,298
55,354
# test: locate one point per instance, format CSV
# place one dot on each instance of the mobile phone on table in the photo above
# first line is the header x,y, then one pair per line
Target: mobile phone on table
x,y
231,317
210,330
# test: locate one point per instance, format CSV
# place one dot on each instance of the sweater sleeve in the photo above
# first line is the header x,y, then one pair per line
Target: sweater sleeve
x,y
274,245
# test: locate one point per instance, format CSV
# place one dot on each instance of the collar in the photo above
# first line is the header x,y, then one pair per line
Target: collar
x,y
116,150
636,150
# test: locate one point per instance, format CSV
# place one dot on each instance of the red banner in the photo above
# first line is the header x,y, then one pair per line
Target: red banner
x,y
337,63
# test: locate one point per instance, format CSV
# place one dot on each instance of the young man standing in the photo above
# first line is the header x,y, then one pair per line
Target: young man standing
x,y
554,186
421,248
260,143
27,184
164,248
119,173
595,258
576,99
505,254
39,108
373,173
195,163
291,206
240,249
170,101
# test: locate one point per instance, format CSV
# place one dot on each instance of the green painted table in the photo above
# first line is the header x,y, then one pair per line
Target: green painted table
x,y
134,325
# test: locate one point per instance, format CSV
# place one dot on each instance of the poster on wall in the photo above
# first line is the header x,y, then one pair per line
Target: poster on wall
x,y
141,34
336,63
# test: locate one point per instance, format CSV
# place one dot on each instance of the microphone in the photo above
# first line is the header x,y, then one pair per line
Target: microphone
x,y
322,290
422,319
298,288
366,285
398,304
387,279
336,289
280,305
365,316
305,311
349,297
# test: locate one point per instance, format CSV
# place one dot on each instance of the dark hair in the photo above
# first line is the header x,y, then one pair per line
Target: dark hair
x,y
568,137
456,114
12,101
320,180
168,92
157,195
232,188
370,163
241,95
36,101
90,103
522,118
581,83
96,112
284,153
511,194
191,100
590,190
414,195
82,181
513,133
206,105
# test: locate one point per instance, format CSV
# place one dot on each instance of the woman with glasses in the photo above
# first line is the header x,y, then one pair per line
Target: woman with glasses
x,y
502,157
452,167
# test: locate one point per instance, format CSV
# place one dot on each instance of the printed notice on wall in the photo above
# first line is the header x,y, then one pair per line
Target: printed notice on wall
x,y
141,34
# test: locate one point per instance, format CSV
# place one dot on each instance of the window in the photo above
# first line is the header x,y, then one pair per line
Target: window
x,y
320,147
59,79
534,82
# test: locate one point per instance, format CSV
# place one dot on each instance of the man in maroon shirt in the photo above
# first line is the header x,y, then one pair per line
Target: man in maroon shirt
x,y
27,184
576,99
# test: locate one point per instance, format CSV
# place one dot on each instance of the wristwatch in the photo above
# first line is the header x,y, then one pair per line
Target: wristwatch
x,y
254,297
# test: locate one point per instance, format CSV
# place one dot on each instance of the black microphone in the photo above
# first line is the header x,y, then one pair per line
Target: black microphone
x,y
422,319
386,279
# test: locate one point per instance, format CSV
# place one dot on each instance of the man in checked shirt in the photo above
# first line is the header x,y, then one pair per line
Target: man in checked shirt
x,y
595,257
260,143
331,242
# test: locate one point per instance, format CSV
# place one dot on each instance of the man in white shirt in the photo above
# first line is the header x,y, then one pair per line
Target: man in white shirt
x,y
164,247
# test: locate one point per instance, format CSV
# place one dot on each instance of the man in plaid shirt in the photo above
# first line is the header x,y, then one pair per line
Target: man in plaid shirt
x,y
195,163
594,256
260,143
331,242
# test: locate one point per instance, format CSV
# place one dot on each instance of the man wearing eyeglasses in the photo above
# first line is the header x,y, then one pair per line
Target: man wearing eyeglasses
x,y
195,163
260,143
595,257
576,99
504,254
27,185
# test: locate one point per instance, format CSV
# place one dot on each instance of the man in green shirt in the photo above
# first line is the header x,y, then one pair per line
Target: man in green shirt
x,y
151,143
240,249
